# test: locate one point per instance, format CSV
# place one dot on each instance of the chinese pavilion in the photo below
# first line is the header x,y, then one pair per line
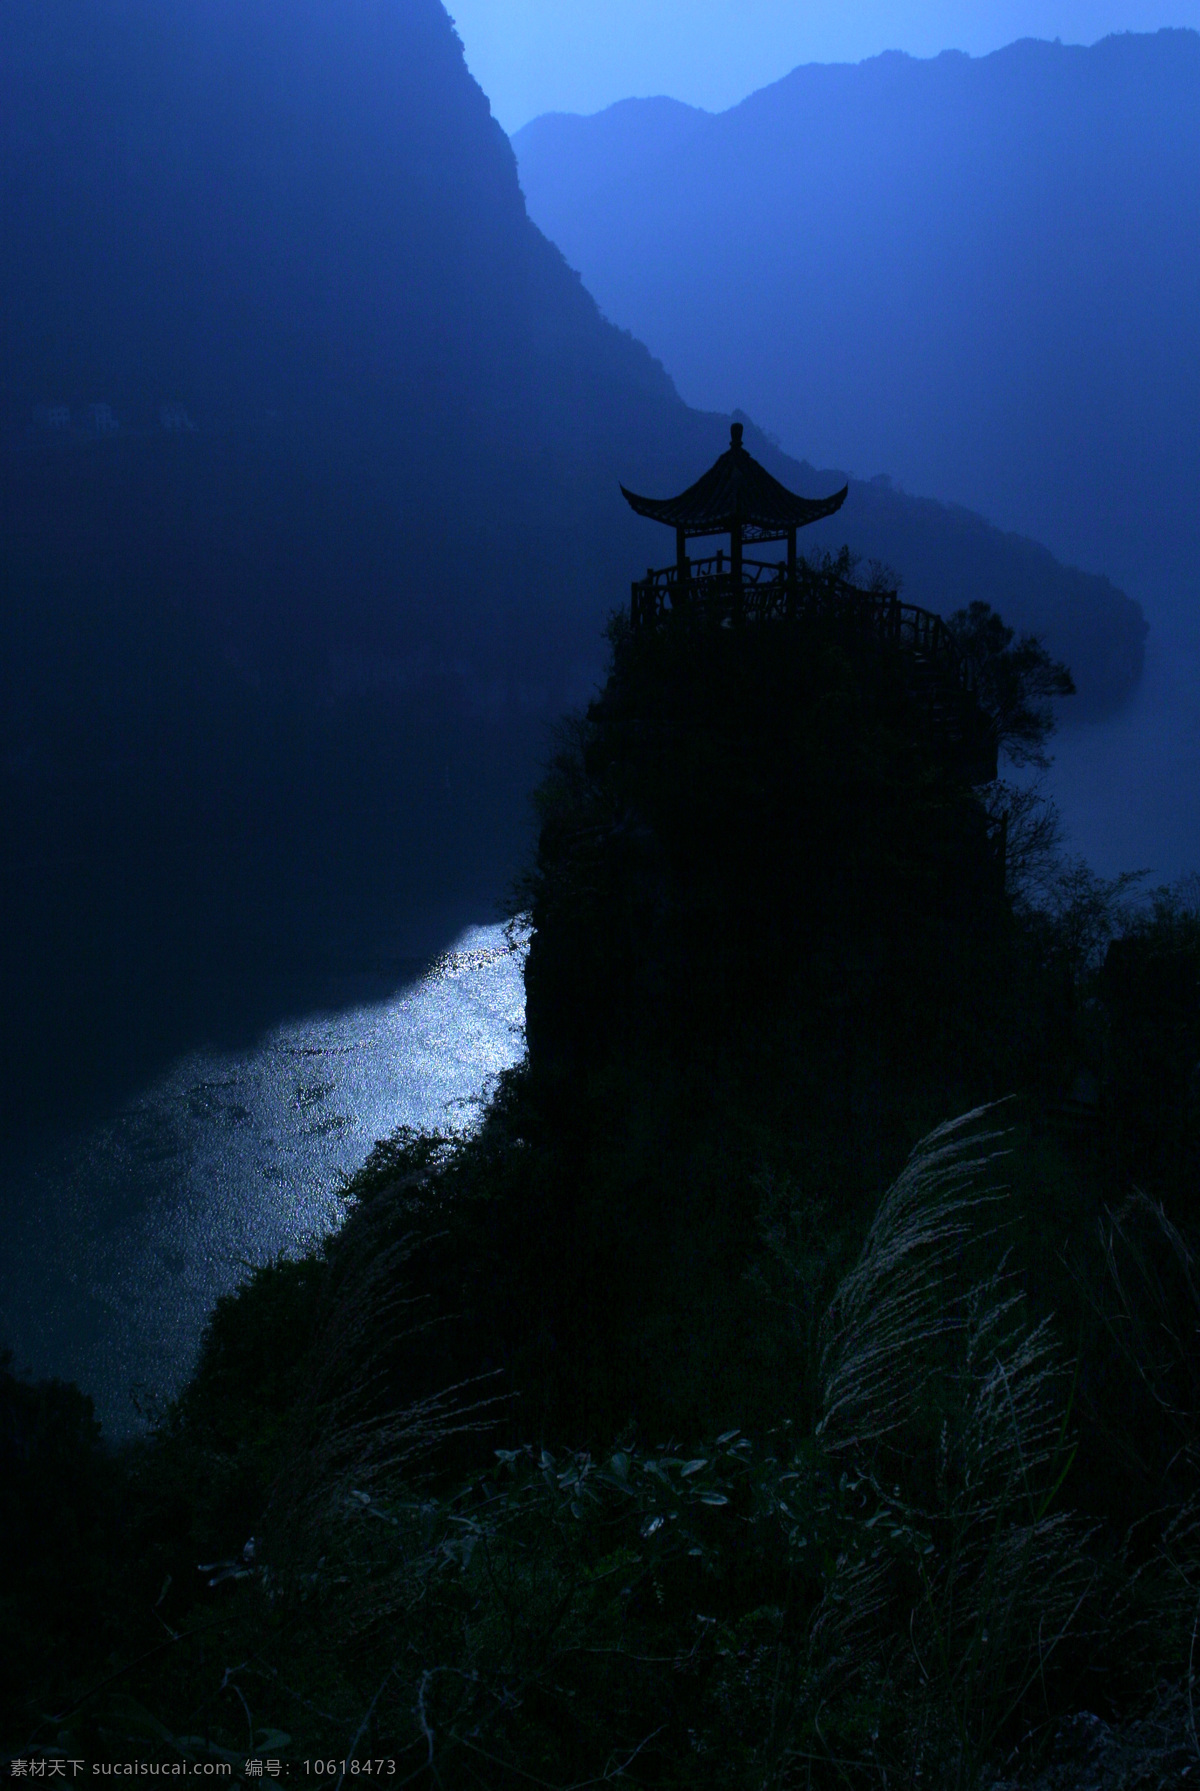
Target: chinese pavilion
x,y
738,497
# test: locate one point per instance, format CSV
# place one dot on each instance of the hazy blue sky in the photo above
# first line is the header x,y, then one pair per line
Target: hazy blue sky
x,y
534,56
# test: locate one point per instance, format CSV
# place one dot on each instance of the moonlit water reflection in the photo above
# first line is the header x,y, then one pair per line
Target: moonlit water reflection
x,y
113,1249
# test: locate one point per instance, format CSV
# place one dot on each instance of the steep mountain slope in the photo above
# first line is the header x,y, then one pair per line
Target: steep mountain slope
x,y
309,513
275,675
980,275
299,221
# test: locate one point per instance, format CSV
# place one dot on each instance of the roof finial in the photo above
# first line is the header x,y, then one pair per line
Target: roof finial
x,y
735,435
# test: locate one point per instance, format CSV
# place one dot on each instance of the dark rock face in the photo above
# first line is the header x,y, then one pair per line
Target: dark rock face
x,y
308,439
300,225
770,945
751,818
309,457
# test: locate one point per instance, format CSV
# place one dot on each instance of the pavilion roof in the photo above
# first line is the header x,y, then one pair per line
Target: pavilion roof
x,y
737,490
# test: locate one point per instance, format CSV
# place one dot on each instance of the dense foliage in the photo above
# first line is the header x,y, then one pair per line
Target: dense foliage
x,y
712,1415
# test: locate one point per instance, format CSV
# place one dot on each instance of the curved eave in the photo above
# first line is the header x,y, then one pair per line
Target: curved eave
x,y
678,513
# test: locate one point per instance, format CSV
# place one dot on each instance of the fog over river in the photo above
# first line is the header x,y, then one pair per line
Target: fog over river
x,y
115,1244
1129,788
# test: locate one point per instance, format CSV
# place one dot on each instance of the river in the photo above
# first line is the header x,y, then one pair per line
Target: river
x,y
116,1243
1129,788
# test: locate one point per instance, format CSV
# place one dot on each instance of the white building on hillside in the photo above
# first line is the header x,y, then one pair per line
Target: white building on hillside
x,y
100,420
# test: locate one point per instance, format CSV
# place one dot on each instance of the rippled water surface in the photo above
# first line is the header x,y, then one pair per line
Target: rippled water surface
x,y
114,1246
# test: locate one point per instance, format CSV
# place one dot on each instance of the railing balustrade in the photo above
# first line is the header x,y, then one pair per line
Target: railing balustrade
x,y
707,591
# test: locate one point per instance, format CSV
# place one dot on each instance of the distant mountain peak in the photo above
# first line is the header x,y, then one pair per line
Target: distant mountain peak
x,y
980,272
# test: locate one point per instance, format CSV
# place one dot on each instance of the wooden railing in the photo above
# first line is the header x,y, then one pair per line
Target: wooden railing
x,y
709,595
766,592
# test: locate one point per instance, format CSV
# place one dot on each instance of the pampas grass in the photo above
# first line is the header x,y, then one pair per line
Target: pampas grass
x,y
950,1413
891,1314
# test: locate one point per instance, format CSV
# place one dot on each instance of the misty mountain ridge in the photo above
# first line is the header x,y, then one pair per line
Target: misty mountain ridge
x,y
282,627
979,274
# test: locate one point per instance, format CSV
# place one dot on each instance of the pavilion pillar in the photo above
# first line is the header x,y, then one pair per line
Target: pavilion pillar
x,y
734,495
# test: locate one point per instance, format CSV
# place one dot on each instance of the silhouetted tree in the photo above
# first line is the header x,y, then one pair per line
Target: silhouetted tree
x,y
1017,682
